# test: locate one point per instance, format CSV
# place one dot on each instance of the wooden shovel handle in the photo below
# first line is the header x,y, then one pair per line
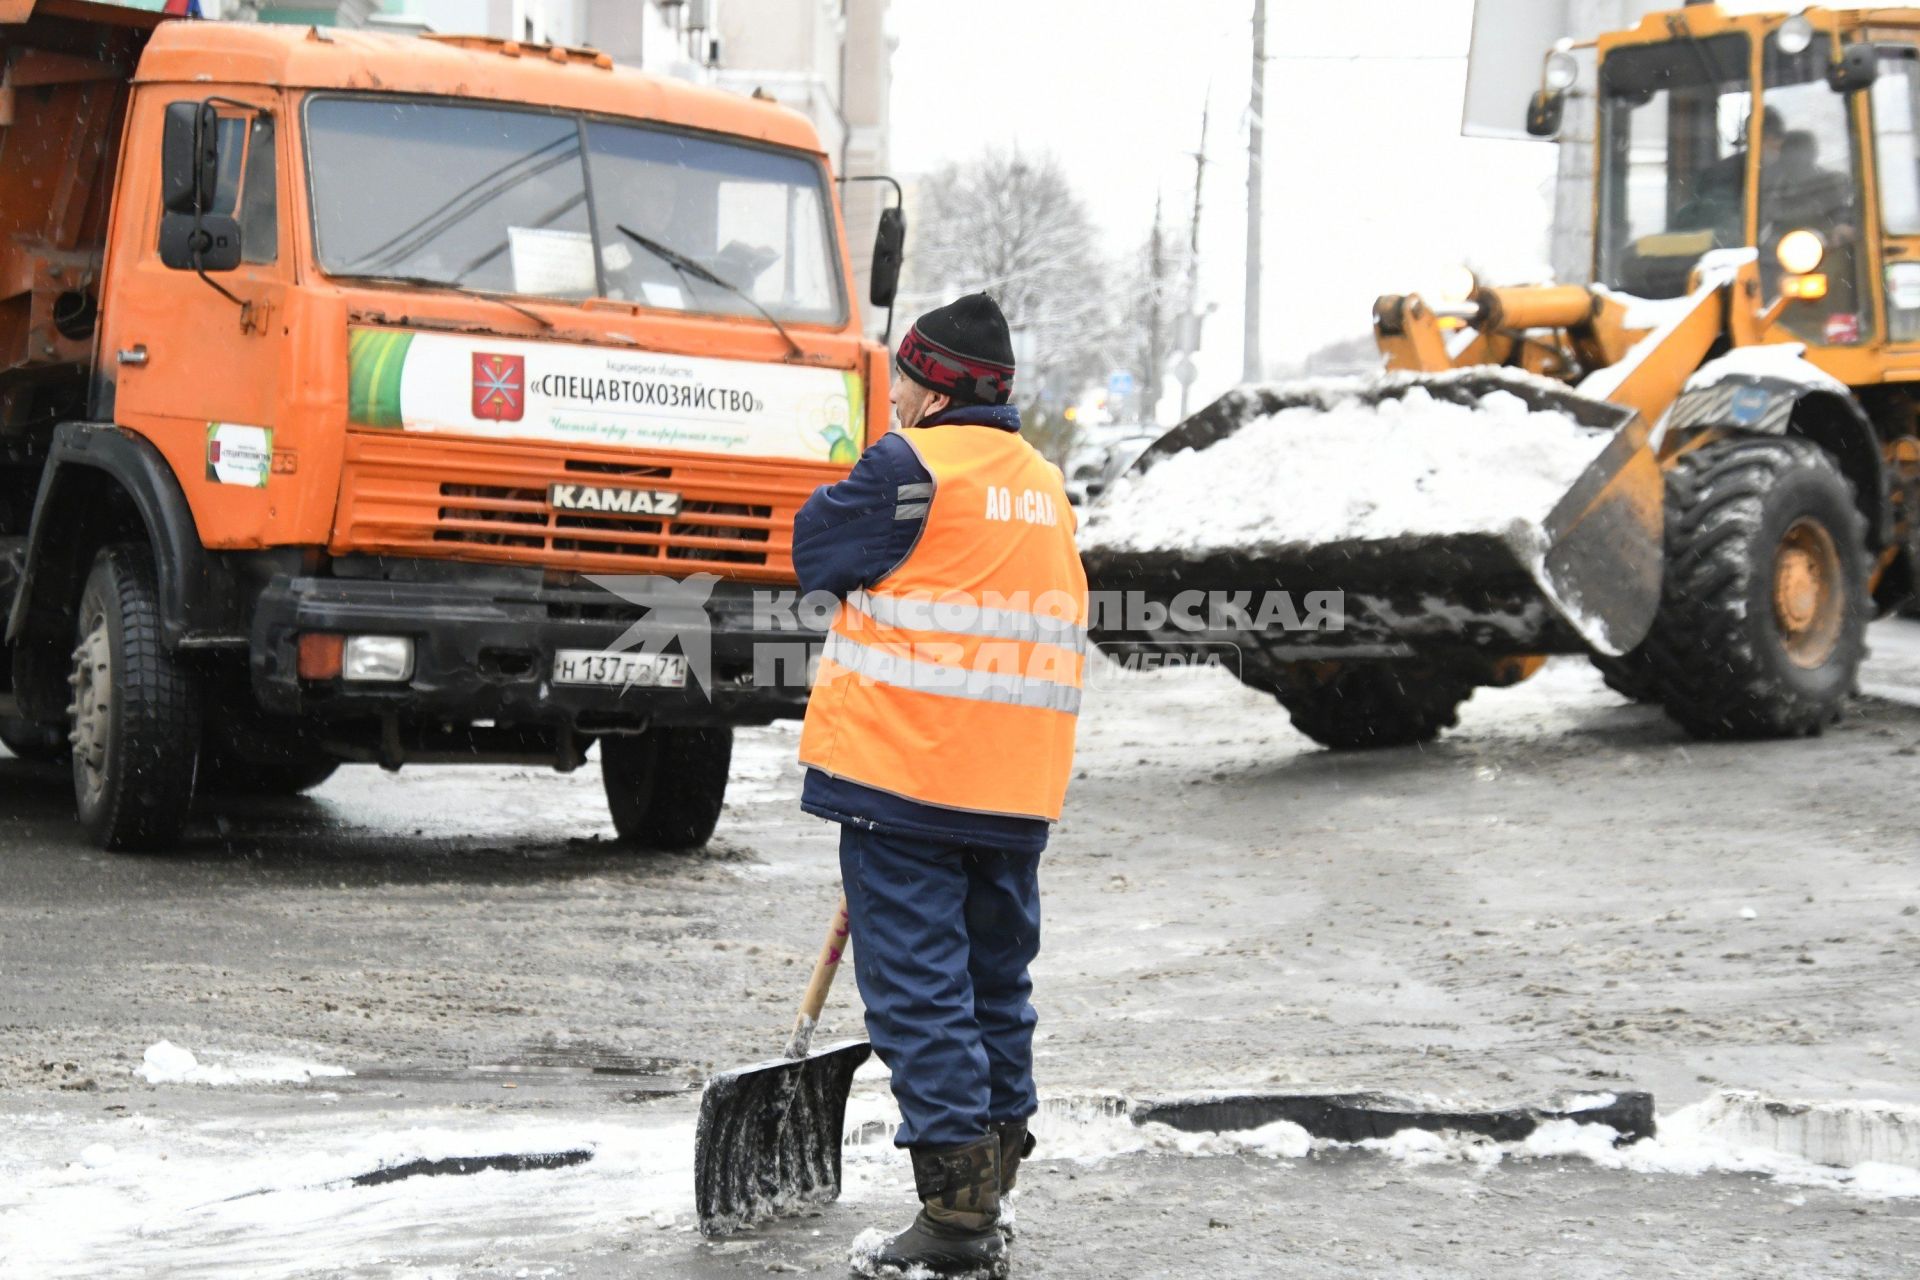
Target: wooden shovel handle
x,y
831,952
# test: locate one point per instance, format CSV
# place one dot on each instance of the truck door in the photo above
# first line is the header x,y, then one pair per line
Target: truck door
x,y
193,363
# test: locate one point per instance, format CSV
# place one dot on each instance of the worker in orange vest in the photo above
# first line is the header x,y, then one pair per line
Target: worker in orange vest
x,y
939,735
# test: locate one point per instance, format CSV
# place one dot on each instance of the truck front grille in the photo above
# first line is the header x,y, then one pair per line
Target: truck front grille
x,y
476,500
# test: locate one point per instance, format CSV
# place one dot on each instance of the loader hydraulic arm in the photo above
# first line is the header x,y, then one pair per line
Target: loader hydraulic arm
x,y
1583,336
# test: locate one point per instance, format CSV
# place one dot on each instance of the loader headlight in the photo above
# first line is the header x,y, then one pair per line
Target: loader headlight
x,y
1563,69
1794,35
1801,251
1458,284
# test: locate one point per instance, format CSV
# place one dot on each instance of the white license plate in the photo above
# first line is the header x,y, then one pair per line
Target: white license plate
x,y
620,670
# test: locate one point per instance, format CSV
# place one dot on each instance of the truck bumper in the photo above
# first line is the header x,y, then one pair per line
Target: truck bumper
x,y
484,643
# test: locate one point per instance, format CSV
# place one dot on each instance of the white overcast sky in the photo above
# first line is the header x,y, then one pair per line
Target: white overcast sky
x,y
1369,186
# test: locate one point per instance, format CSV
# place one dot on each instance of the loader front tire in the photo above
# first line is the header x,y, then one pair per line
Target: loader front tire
x,y
1763,617
665,787
1630,675
136,711
1368,706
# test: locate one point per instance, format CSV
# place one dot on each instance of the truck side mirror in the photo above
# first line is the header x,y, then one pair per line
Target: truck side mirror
x,y
1856,69
1544,112
889,250
191,237
189,157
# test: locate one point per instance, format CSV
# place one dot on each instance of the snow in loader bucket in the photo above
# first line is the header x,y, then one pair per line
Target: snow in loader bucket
x,y
1474,514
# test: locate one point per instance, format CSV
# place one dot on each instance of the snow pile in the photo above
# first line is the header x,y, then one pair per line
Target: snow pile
x,y
1784,360
1353,471
1866,1149
168,1063
863,1255
149,1195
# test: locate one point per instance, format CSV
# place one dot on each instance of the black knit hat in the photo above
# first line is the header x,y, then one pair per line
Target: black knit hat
x,y
962,351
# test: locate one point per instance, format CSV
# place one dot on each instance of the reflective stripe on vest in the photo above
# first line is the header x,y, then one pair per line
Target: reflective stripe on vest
x,y
955,681
964,617
885,666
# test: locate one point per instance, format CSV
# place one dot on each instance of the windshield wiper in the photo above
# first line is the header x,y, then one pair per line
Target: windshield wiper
x,y
681,262
465,291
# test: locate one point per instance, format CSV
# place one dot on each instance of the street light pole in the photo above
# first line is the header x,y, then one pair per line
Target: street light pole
x,y
1190,328
1251,365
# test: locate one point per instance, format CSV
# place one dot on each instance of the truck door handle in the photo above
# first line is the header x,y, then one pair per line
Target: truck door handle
x,y
134,355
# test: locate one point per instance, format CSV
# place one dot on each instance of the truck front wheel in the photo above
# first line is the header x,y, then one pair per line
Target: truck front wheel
x,y
136,712
665,786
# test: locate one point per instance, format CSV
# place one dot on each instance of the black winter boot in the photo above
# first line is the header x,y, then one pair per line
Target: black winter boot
x,y
1016,1144
955,1233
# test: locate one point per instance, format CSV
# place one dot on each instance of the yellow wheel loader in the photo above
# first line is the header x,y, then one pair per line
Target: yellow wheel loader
x,y
1745,366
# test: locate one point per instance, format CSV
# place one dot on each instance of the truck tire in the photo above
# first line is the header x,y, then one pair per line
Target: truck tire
x,y
28,740
1762,621
136,711
665,786
1372,705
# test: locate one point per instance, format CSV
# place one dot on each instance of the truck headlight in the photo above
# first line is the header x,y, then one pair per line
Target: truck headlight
x,y
387,659
1795,35
1801,251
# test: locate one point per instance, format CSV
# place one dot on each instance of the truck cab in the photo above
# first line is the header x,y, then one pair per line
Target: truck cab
x,y
407,400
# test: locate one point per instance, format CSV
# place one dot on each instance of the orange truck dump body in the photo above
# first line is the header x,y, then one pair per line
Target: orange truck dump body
x,y
476,308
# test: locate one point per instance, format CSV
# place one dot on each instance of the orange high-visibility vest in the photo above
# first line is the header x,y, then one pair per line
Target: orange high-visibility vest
x,y
955,680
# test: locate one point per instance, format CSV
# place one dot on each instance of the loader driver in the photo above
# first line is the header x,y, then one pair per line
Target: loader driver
x,y
940,737
1798,192
1717,203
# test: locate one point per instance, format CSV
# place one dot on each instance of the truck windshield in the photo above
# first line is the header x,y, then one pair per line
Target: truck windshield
x,y
1674,122
529,203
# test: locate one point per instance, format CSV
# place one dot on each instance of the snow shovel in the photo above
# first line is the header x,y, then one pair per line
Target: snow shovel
x,y
769,1135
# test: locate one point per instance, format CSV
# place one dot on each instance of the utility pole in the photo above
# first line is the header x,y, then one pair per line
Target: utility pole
x,y
1190,327
1251,366
1156,321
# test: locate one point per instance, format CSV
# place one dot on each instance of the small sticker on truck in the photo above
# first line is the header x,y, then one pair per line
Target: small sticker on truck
x,y
239,455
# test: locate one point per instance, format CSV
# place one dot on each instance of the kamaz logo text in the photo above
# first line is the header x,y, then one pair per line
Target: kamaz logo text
x,y
625,502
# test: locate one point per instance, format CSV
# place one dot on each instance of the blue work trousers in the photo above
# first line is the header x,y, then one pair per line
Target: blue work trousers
x,y
942,937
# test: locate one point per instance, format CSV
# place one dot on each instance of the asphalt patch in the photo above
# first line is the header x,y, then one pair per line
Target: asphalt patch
x,y
461,1166
1353,1117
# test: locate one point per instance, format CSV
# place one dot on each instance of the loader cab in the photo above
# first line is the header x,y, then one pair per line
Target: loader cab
x,y
1699,155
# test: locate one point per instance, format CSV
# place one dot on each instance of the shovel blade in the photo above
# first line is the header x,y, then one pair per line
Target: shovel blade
x,y
770,1135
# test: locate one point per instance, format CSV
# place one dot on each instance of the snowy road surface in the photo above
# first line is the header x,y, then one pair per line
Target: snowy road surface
x,y
1563,895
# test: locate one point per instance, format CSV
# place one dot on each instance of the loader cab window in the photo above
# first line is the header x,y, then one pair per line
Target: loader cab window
x,y
1677,127
1811,182
245,186
1896,142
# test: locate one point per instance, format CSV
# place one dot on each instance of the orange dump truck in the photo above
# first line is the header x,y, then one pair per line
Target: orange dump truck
x,y
387,400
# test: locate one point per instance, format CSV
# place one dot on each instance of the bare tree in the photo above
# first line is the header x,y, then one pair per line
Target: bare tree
x,y
1012,225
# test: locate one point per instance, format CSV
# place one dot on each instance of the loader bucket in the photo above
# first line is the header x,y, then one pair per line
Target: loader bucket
x,y
1579,573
